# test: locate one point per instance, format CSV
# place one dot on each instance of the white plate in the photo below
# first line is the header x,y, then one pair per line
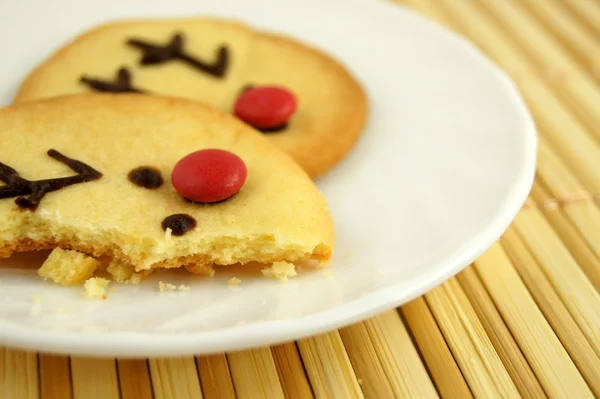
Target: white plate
x,y
445,164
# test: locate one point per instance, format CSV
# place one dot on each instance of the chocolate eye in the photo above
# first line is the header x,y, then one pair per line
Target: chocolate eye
x,y
179,223
146,176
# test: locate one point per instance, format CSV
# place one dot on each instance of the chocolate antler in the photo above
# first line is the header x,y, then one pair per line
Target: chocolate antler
x,y
155,54
121,84
16,186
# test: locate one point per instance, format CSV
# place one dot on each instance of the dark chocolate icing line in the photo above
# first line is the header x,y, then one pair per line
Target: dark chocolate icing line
x,y
121,84
155,54
16,186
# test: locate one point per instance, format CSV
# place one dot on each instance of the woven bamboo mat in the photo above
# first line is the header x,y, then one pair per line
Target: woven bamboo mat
x,y
522,321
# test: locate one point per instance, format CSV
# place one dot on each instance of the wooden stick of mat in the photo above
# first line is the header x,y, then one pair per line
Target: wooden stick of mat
x,y
469,343
94,378
568,233
55,377
569,31
254,374
562,184
215,377
574,198
175,377
556,176
557,262
3,386
588,12
503,342
578,148
553,309
577,87
552,119
291,371
369,371
569,282
20,374
397,356
134,379
328,367
544,352
442,366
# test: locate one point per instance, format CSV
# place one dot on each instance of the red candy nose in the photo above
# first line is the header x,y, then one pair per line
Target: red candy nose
x,y
265,107
210,175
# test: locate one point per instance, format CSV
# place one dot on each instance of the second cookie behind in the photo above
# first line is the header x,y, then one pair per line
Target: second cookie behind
x,y
214,62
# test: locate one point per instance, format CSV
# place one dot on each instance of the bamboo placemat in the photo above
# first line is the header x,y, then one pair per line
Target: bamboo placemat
x,y
522,321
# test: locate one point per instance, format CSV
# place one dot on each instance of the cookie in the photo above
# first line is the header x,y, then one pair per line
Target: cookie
x,y
96,173
68,267
304,101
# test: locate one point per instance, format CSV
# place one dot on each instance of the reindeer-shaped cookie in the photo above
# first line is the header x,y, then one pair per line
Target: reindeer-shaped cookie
x,y
304,101
153,182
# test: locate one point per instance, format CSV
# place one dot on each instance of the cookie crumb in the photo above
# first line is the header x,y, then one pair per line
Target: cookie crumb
x,y
95,287
183,287
168,232
280,270
200,269
68,267
123,273
36,299
328,273
135,279
166,286
234,281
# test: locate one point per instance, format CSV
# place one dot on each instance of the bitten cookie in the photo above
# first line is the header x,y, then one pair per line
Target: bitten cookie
x,y
304,101
123,176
